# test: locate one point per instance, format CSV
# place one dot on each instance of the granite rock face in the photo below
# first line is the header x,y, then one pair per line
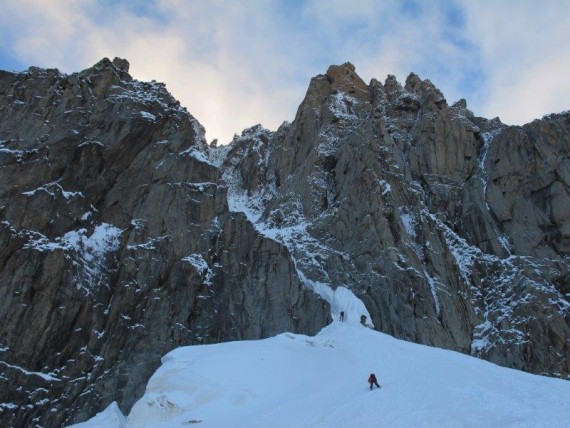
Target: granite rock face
x,y
451,228
117,245
124,235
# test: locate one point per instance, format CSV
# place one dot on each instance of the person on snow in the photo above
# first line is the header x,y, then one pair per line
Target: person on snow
x,y
373,381
363,320
342,315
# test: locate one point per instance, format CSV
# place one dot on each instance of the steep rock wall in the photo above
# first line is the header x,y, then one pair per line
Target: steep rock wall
x,y
124,235
117,245
450,227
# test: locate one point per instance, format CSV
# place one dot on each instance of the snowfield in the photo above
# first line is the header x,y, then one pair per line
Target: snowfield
x,y
299,381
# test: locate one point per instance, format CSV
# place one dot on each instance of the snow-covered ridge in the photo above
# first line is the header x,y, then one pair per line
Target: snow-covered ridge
x,y
300,381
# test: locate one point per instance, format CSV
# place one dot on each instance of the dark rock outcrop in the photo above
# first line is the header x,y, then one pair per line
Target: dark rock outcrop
x,y
124,235
117,245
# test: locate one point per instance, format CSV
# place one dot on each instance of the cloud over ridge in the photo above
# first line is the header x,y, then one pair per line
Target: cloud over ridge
x,y
234,64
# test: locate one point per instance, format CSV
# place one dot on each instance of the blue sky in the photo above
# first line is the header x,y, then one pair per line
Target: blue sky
x,y
237,63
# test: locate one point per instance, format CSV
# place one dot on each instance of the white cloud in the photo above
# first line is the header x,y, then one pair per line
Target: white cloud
x,y
237,64
525,47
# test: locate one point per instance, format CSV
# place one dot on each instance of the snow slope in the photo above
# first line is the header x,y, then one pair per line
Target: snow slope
x,y
299,381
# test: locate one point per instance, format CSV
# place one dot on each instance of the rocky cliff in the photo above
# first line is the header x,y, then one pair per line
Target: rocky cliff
x,y
124,235
118,245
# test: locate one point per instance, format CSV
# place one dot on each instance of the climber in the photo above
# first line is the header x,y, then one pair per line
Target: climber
x,y
372,381
363,320
342,315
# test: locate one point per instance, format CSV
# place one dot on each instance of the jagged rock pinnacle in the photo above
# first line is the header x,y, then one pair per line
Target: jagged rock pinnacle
x,y
121,64
344,78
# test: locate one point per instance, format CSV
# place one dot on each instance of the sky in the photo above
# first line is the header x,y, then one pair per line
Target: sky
x,y
235,64
298,381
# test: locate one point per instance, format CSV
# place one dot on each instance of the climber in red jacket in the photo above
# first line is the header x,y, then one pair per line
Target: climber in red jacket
x,y
372,381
